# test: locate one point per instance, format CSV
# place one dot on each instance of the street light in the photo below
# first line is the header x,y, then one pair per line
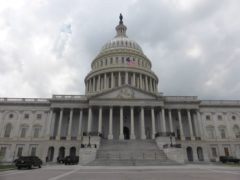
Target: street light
x,y
171,139
89,144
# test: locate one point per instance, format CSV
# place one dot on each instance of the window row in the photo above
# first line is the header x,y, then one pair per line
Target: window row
x,y
25,116
220,117
131,61
23,130
222,130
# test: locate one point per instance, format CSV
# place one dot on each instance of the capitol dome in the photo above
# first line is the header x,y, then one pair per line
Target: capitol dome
x,y
120,62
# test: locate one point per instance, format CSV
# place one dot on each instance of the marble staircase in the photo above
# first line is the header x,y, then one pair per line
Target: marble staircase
x,y
129,153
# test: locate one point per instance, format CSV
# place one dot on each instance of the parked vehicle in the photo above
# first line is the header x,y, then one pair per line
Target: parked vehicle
x,y
71,160
61,160
28,162
225,159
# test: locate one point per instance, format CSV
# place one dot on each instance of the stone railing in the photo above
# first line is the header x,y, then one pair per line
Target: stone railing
x,y
220,102
165,134
25,100
181,98
92,134
69,97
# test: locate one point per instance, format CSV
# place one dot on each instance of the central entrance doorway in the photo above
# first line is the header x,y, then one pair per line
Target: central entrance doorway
x,y
126,133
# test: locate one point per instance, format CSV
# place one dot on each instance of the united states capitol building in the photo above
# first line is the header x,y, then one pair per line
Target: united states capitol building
x,y
121,118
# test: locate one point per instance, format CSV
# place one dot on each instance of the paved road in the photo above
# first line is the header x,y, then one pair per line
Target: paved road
x,y
186,172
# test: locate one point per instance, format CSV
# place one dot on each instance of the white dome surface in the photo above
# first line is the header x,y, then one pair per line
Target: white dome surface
x,y
121,42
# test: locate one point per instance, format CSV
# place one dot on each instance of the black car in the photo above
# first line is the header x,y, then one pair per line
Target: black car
x,y
71,160
28,162
60,160
225,159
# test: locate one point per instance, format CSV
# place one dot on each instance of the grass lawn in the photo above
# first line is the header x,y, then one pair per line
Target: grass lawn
x,y
6,167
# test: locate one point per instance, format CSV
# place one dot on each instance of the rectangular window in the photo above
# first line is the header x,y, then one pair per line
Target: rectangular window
x,y
39,116
223,134
210,133
214,152
36,132
208,117
23,132
19,152
33,151
26,116
10,116
3,152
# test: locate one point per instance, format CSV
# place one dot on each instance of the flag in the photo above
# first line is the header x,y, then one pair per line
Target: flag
x,y
130,62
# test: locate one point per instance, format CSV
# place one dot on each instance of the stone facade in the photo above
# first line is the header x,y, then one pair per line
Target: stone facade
x,y
121,102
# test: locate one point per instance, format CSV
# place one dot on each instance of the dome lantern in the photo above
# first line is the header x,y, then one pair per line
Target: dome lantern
x,y
121,28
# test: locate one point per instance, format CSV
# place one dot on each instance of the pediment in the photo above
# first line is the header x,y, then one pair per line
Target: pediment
x,y
125,92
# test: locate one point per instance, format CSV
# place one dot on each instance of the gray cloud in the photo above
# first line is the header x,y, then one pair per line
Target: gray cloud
x,y
194,45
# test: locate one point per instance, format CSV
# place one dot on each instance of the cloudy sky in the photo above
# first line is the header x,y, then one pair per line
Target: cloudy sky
x,y
46,46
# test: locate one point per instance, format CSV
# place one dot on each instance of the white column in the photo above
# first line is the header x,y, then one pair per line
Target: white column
x,y
126,77
80,124
94,84
90,85
153,123
134,80
112,80
89,128
70,125
153,86
190,124
229,132
163,120
180,125
100,120
119,79
146,83
170,120
200,125
17,126
49,123
105,81
110,135
150,85
140,80
143,135
121,136
60,124
132,136
98,82
1,123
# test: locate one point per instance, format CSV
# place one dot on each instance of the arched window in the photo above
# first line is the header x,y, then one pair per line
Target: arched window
x,y
189,153
236,131
200,154
8,130
36,131
23,130
210,132
222,131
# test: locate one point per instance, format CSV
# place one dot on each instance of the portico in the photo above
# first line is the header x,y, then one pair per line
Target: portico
x,y
121,119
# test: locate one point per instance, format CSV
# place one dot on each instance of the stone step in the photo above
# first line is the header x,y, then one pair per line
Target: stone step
x,y
129,153
128,145
130,163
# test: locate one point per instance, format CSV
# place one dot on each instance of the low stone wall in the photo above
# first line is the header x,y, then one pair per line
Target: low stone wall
x,y
175,154
161,141
87,155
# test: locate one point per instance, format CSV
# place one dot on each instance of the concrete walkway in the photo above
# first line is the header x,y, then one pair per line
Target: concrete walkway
x,y
185,172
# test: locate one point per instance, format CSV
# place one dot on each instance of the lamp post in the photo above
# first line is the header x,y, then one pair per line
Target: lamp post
x,y
171,140
89,139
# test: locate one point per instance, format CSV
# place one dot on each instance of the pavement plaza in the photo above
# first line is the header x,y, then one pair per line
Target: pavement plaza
x,y
77,172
